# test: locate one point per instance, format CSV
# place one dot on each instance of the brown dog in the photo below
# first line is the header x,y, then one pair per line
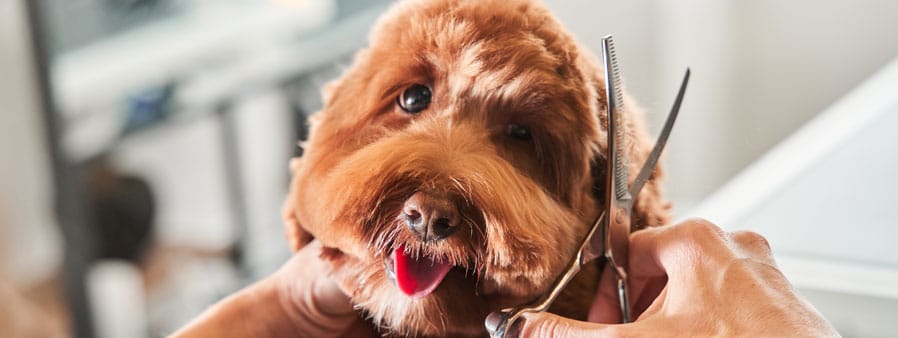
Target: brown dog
x,y
452,170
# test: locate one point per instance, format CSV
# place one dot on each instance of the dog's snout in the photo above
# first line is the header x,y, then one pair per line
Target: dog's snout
x,y
430,217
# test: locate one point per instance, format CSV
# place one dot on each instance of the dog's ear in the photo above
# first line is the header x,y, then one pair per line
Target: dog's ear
x,y
327,91
297,236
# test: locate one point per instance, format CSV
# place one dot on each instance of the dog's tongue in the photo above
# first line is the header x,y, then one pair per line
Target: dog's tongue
x,y
417,277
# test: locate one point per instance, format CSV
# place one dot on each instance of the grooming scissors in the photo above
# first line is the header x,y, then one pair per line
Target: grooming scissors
x,y
609,235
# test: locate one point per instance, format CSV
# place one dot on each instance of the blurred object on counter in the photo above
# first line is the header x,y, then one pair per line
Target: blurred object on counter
x,y
116,290
148,107
124,209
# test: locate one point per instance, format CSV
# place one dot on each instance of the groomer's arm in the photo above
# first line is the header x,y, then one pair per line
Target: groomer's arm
x,y
296,301
248,313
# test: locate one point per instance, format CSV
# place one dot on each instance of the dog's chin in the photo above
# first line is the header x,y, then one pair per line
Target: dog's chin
x,y
426,310
405,293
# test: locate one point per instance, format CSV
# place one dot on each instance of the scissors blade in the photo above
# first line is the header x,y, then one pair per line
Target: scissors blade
x,y
616,192
618,201
617,160
649,166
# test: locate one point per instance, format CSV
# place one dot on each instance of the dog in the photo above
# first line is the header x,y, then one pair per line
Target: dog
x,y
454,167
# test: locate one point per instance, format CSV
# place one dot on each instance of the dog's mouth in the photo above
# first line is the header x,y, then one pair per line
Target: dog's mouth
x,y
416,276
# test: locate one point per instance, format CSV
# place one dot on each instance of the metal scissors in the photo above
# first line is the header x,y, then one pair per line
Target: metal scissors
x,y
609,235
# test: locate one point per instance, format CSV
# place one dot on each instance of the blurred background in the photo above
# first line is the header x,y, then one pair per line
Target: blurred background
x,y
143,143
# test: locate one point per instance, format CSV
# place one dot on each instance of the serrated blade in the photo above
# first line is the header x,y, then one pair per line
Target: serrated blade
x,y
618,203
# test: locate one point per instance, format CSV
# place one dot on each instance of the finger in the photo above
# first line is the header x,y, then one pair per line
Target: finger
x,y
544,324
750,244
605,307
646,292
655,306
309,254
361,329
330,299
670,250
319,319
312,268
297,236
646,270
315,302
643,292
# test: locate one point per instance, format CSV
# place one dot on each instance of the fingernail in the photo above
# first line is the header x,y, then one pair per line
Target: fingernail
x,y
492,320
492,323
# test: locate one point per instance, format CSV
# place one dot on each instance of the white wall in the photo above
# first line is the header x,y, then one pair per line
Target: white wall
x,y
760,69
29,242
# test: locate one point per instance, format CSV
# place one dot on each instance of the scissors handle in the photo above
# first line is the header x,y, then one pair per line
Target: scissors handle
x,y
508,317
587,253
623,294
617,240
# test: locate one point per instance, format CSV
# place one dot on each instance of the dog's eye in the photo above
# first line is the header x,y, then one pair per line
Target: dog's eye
x,y
415,99
519,132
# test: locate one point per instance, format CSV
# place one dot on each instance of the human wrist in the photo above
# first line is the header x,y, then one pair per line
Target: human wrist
x,y
254,311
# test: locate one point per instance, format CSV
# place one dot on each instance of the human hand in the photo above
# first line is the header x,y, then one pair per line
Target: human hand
x,y
299,300
313,301
694,279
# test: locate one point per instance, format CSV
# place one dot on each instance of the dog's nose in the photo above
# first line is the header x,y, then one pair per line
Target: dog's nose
x,y
429,217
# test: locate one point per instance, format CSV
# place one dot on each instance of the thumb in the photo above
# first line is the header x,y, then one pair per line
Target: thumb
x,y
544,324
319,308
329,299
313,301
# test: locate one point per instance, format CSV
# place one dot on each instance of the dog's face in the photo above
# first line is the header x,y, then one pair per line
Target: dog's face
x,y
451,169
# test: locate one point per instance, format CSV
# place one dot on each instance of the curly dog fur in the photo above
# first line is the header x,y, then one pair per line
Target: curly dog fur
x,y
524,202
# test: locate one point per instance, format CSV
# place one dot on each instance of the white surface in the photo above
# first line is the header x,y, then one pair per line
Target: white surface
x,y
840,277
856,315
116,294
826,192
824,198
871,102
30,244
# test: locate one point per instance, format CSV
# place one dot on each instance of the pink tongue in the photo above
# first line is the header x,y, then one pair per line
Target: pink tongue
x,y
418,277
